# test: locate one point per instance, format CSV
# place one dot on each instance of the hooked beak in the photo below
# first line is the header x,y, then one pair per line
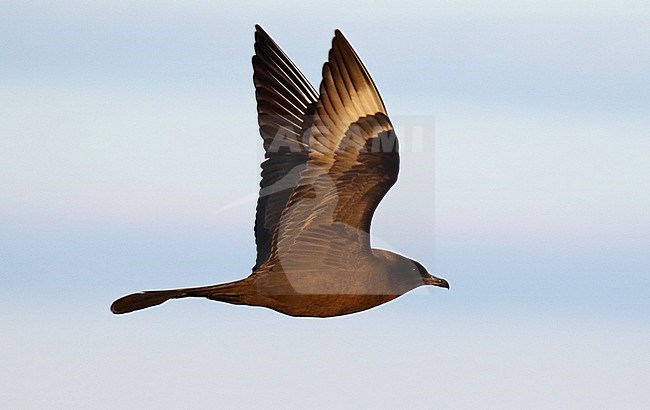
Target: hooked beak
x,y
432,280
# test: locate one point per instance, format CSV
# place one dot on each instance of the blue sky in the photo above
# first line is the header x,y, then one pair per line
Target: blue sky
x,y
129,152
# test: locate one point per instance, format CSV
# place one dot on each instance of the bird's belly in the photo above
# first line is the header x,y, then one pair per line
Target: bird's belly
x,y
325,305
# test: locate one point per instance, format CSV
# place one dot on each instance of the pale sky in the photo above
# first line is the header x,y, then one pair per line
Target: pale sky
x,y
129,153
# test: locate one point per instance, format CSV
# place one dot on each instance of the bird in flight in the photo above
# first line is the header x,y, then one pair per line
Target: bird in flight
x,y
330,157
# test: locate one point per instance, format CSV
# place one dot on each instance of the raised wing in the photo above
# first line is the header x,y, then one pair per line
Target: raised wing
x,y
353,162
285,98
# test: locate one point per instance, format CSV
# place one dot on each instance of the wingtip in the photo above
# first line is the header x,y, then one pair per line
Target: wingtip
x,y
261,34
341,42
339,37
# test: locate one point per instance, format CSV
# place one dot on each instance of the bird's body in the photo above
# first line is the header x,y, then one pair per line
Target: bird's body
x,y
330,159
322,292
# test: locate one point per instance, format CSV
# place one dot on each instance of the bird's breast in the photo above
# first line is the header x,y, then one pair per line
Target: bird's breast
x,y
324,305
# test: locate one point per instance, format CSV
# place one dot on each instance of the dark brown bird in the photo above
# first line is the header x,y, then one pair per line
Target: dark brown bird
x,y
330,159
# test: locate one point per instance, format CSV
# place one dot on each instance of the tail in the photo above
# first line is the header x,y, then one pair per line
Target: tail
x,y
226,292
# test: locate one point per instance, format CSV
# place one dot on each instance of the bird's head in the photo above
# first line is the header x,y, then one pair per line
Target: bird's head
x,y
411,273
428,278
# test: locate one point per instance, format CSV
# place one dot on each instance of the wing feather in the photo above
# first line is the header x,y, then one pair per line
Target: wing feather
x,y
285,99
347,173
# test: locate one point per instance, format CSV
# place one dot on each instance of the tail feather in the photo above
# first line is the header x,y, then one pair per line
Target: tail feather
x,y
142,300
226,292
